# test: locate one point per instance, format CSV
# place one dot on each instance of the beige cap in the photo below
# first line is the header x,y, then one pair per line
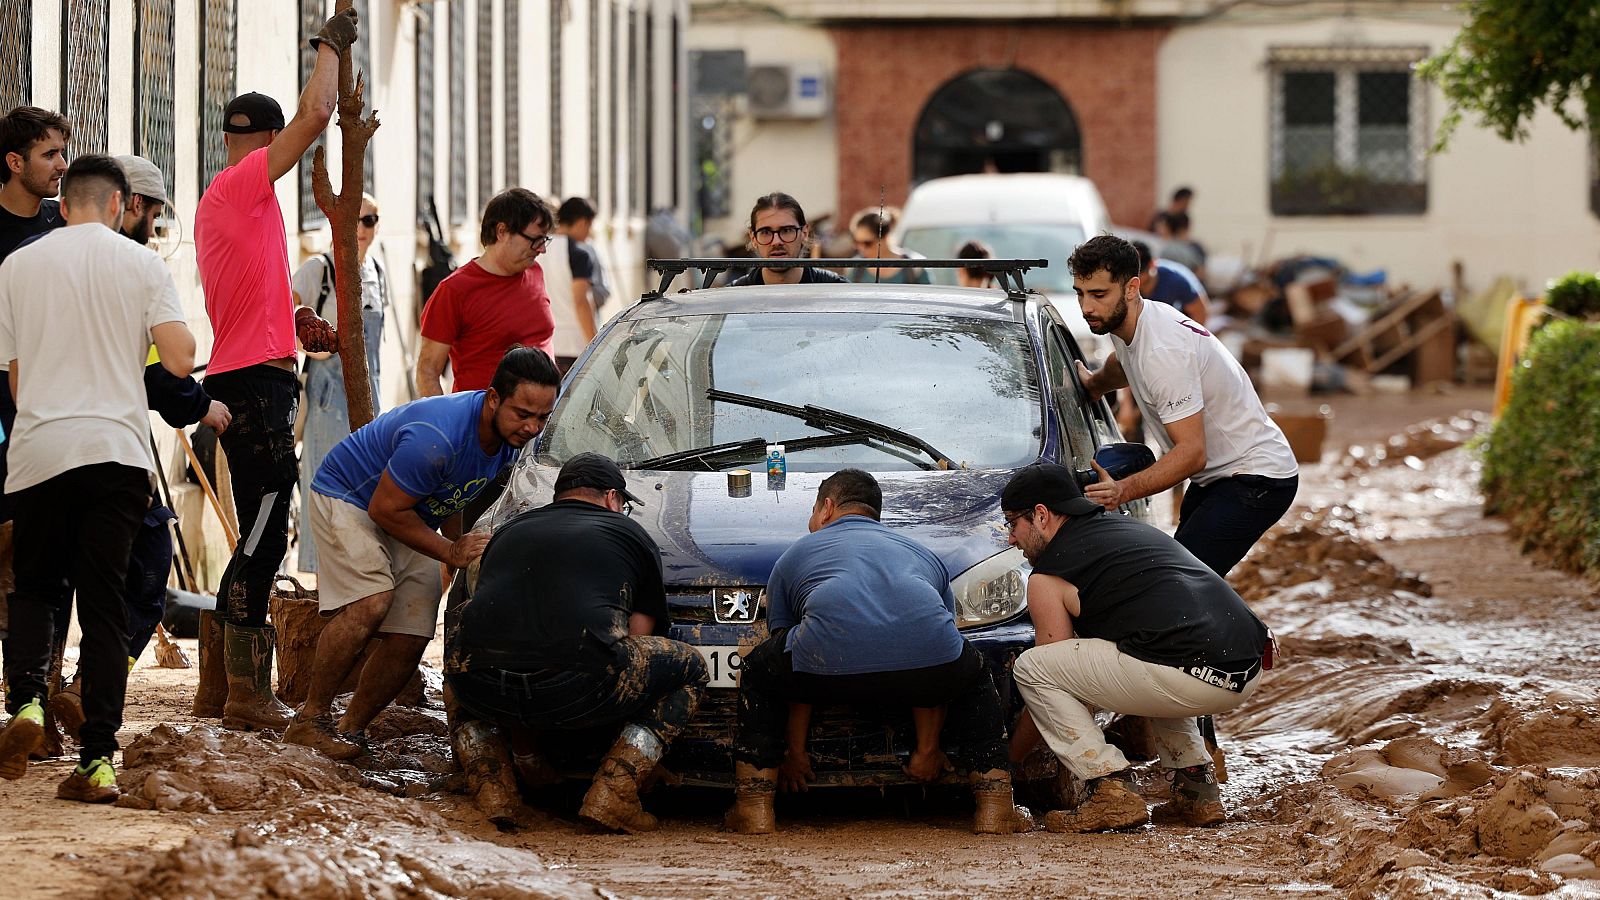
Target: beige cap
x,y
143,177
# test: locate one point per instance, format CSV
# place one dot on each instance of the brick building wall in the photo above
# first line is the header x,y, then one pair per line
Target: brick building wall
x,y
1106,73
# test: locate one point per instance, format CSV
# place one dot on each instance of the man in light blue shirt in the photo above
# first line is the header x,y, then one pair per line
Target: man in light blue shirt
x,y
860,615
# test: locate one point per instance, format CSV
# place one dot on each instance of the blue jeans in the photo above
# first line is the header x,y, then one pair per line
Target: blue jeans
x,y
1220,522
655,683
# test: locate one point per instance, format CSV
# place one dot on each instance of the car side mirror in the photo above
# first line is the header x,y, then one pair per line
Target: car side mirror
x,y
1120,460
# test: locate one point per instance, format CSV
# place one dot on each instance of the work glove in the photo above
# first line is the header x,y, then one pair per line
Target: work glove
x,y
339,32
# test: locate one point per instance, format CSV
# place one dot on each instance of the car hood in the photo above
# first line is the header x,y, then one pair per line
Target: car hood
x,y
709,538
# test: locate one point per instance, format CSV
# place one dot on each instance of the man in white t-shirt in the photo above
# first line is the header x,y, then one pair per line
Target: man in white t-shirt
x,y
1197,402
79,310
571,273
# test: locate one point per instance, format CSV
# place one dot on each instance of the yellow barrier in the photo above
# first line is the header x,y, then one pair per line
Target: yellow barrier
x,y
1521,315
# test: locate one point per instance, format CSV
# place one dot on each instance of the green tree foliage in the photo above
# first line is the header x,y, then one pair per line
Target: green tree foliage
x,y
1541,463
1512,56
1575,294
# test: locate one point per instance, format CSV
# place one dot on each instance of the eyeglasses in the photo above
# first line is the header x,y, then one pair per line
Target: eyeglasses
x,y
369,221
627,505
537,243
1011,521
786,234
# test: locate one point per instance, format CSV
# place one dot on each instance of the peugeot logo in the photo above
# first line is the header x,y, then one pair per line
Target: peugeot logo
x,y
735,606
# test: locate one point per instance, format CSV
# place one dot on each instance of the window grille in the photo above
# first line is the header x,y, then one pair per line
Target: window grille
x,y
485,101
675,123
218,44
16,54
424,93
637,85
86,46
614,65
513,101
363,63
312,14
648,84
152,121
594,101
557,21
458,112
1349,131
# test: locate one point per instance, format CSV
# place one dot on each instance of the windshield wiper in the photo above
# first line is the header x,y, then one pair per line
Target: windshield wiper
x,y
754,448
823,417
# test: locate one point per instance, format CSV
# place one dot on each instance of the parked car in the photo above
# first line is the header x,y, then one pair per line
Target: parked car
x,y
685,389
1020,216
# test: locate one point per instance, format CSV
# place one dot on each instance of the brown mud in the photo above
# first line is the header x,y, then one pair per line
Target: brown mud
x,y
1432,730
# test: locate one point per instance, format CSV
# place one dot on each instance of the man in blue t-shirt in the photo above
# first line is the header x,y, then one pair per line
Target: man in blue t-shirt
x,y
860,615
377,506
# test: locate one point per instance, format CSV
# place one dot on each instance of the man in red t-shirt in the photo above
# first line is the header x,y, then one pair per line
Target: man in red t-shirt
x,y
243,257
492,303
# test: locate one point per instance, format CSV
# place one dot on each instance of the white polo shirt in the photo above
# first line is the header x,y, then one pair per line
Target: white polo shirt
x,y
1177,368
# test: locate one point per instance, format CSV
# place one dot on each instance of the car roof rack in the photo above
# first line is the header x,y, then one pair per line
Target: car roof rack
x,y
1007,271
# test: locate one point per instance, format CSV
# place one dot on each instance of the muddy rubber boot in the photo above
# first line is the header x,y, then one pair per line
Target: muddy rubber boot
x,y
613,800
212,693
996,813
1196,799
1112,805
251,703
484,756
66,707
21,736
753,792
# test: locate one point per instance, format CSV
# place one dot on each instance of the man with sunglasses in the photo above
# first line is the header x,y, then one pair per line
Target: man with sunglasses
x,y
565,631
493,302
378,505
1126,620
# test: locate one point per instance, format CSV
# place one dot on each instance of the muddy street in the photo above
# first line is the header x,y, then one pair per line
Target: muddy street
x,y
1432,730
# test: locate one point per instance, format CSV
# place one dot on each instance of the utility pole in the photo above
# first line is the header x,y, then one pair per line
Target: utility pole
x,y
342,211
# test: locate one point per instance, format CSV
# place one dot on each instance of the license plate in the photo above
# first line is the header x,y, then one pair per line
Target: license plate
x,y
723,665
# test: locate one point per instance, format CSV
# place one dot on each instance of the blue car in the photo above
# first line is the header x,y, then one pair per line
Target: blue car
x,y
940,392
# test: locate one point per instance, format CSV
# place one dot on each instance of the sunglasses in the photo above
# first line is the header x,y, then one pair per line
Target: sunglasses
x,y
369,221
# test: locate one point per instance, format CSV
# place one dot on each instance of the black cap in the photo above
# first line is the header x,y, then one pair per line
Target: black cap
x,y
1050,484
263,113
591,470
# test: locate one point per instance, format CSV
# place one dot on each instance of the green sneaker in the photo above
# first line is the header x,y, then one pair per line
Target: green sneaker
x,y
93,783
20,738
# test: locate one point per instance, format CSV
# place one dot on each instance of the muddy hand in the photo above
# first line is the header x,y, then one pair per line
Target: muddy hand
x,y
1107,491
339,32
316,333
928,766
466,548
795,774
1086,378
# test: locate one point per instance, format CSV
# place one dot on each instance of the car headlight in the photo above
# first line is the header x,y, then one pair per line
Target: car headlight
x,y
993,590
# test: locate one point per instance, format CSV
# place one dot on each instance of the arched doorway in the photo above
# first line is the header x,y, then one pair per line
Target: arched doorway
x,y
996,120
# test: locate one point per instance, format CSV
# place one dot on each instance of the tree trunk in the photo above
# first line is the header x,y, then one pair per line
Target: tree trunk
x,y
342,211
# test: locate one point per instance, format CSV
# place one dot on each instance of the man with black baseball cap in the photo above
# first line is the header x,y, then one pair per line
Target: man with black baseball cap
x,y
241,250
565,630
1126,620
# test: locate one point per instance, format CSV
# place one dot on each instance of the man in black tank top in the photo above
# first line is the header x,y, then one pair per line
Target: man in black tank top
x,y
1129,621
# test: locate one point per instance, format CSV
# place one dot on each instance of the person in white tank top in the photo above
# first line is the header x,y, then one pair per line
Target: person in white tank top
x,y
1198,403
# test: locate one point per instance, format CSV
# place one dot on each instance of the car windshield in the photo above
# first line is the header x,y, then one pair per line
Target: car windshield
x,y
1052,242
968,386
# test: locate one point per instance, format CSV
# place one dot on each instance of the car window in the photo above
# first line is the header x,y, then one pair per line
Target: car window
x,y
1070,402
966,386
1049,242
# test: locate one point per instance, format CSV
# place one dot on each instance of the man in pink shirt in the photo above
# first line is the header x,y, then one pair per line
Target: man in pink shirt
x,y
493,302
243,256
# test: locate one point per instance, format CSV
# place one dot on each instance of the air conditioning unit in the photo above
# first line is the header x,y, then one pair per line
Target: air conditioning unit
x,y
788,91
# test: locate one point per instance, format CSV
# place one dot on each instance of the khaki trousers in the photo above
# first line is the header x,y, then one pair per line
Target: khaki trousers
x,y
1064,682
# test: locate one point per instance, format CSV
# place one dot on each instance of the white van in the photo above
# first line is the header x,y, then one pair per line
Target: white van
x,y
1024,216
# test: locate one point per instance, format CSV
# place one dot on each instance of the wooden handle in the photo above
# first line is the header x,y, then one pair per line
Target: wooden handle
x,y
205,483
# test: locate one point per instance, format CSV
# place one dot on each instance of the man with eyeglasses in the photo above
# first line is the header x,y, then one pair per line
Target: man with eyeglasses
x,y
378,505
778,230
565,631
1126,620
493,302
